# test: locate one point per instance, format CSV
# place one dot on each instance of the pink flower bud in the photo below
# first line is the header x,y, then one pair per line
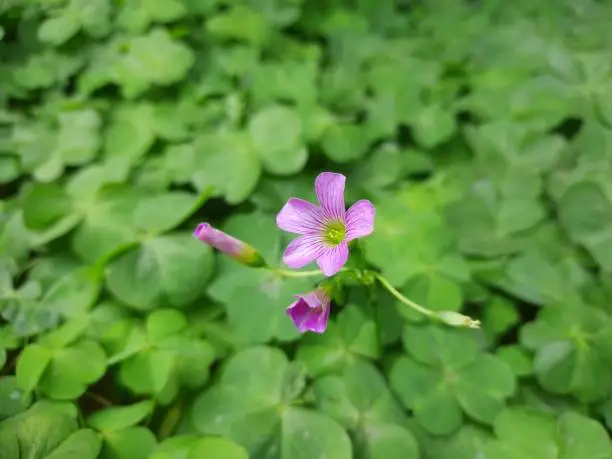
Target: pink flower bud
x,y
238,250
311,311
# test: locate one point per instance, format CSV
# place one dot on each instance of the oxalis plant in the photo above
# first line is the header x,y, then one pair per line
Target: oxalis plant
x,y
325,234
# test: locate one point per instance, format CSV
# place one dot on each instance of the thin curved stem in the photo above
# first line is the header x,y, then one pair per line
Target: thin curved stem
x,y
417,307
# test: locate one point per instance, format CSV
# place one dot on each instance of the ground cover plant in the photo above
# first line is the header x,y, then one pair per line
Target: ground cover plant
x,y
481,133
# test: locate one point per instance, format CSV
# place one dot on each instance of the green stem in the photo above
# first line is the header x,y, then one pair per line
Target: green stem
x,y
287,273
417,307
313,273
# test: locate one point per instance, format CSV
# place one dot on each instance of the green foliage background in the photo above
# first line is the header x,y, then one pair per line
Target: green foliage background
x,y
481,130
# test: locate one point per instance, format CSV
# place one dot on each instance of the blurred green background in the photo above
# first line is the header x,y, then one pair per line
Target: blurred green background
x,y
482,131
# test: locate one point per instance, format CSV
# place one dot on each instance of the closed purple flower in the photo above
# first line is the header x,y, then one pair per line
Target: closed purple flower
x,y
311,311
238,250
324,230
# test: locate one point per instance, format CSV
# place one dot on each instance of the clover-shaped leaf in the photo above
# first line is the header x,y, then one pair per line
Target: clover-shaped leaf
x,y
152,59
409,241
137,15
352,336
535,277
250,414
78,137
344,142
446,376
90,16
208,156
360,400
117,217
591,225
122,437
21,308
468,442
293,80
194,447
48,364
240,23
167,270
12,399
525,433
433,125
163,356
572,348
492,214
46,432
276,134
136,64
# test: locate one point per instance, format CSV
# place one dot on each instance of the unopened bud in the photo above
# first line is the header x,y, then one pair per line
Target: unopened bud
x,y
238,250
457,320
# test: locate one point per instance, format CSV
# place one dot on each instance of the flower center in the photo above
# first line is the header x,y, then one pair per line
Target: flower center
x,y
334,232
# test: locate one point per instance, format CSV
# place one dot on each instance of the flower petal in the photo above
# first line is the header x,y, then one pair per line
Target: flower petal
x,y
360,219
307,318
329,188
333,259
300,217
303,250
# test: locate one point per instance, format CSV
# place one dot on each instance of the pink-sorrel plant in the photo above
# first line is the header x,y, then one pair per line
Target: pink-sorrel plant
x,y
325,231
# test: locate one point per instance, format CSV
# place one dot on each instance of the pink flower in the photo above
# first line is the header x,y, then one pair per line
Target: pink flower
x,y
324,230
311,311
238,250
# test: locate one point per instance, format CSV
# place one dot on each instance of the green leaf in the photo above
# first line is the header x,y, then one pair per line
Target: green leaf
x,y
517,358
572,352
78,138
343,143
240,23
73,294
119,417
250,414
352,336
92,17
31,365
12,399
220,448
276,134
164,356
130,443
62,380
82,444
137,15
46,432
468,442
128,137
44,204
447,376
166,270
151,59
361,393
207,160
411,240
523,433
433,125
582,437
534,277
176,447
589,226
108,223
